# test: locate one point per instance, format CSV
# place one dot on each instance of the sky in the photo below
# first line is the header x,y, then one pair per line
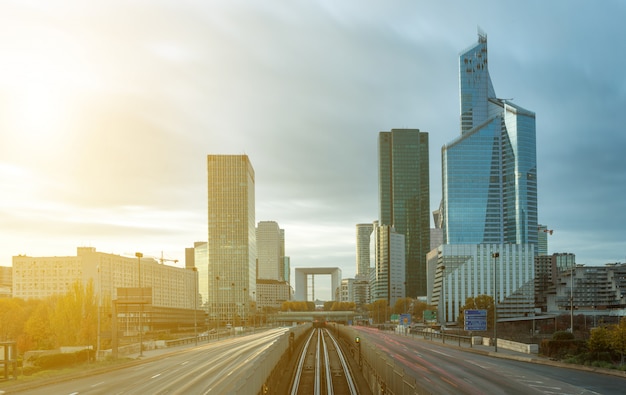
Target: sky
x,y
108,110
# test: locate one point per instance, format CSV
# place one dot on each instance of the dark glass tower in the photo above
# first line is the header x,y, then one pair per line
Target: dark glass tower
x,y
404,197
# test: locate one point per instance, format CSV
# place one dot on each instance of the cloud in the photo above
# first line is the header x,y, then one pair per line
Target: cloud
x,y
141,93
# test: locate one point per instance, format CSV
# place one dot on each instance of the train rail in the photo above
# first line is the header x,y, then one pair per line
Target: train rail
x,y
322,368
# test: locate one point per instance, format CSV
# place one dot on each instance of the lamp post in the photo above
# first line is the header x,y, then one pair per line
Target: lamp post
x,y
442,295
244,306
495,256
139,255
217,305
195,301
571,301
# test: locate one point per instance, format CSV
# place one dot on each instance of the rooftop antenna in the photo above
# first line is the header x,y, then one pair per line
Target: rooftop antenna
x,y
482,36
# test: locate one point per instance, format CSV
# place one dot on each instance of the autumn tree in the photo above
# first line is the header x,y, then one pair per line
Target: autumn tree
x,y
480,302
618,338
379,310
343,306
295,305
74,319
418,309
600,340
38,333
13,316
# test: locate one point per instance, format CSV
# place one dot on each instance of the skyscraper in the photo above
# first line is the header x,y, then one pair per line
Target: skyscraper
x,y
270,241
489,203
363,233
489,171
404,197
231,246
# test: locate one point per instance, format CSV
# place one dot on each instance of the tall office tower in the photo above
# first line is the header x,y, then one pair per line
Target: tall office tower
x,y
196,259
404,197
363,233
490,170
231,243
270,244
542,239
389,271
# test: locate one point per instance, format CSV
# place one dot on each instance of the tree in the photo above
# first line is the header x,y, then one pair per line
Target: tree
x,y
12,318
74,318
343,306
480,302
600,340
37,329
418,309
379,311
618,339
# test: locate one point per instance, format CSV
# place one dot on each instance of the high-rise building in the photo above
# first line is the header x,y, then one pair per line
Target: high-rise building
x,y
196,259
363,233
404,197
388,281
270,241
542,239
489,199
231,243
489,171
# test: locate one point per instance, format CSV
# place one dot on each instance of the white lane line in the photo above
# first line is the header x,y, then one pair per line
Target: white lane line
x,y
155,376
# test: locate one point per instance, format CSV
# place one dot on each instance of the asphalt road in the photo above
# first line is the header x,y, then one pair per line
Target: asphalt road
x,y
211,368
442,369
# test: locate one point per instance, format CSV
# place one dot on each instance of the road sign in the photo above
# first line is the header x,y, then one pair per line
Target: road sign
x,y
430,316
475,320
405,319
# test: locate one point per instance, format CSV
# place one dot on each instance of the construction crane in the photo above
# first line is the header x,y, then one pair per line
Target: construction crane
x,y
163,260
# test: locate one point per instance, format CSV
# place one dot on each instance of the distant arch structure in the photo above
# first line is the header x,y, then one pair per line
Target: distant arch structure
x,y
302,285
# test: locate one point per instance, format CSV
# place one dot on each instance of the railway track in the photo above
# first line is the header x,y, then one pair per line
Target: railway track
x,y
322,368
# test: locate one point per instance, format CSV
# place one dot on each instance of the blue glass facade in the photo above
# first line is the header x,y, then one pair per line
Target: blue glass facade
x,y
489,172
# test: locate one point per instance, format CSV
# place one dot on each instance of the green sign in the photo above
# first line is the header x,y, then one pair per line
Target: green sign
x,y
430,316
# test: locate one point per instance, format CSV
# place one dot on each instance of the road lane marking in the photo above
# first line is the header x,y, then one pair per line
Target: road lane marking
x,y
155,376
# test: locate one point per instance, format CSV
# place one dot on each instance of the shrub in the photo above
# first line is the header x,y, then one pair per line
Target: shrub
x,y
563,335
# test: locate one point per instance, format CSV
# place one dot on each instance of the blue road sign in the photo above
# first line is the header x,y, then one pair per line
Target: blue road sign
x,y
475,320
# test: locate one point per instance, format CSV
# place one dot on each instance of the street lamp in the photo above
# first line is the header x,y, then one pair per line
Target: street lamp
x,y
442,296
217,304
571,301
139,255
195,301
495,256
442,300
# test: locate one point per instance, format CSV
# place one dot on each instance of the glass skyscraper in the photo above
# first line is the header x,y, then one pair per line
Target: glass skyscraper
x,y
404,197
231,246
489,172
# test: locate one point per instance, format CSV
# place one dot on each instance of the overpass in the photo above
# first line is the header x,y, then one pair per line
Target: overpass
x,y
308,316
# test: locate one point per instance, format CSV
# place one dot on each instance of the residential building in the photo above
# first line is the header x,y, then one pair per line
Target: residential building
x,y
6,281
170,290
231,242
404,198
590,290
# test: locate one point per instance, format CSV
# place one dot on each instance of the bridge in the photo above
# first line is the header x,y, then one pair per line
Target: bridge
x,y
309,316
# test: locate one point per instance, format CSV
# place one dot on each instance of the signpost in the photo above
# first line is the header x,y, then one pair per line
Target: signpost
x,y
475,320
430,317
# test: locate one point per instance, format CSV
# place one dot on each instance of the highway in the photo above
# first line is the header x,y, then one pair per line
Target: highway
x,y
210,368
441,369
